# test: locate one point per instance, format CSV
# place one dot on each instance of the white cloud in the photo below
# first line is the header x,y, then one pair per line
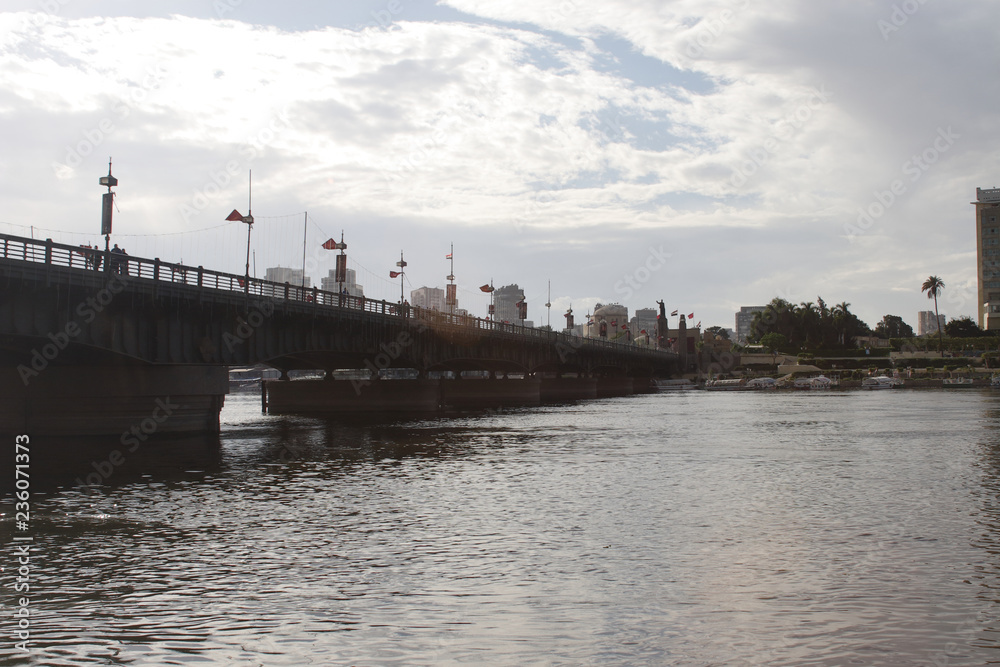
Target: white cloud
x,y
742,129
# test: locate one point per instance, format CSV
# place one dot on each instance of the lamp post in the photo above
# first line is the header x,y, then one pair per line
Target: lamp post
x,y
402,272
107,207
248,219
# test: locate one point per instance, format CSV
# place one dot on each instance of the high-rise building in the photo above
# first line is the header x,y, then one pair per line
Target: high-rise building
x,y
281,274
988,256
330,284
506,299
431,298
644,319
744,320
926,325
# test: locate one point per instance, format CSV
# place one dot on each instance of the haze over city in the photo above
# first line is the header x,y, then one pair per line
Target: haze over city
x,y
710,154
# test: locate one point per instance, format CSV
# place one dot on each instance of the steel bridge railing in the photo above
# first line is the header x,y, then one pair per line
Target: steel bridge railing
x,y
49,253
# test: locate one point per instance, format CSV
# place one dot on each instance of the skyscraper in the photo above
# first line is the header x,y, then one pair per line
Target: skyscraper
x,y
925,323
506,299
988,256
744,319
431,298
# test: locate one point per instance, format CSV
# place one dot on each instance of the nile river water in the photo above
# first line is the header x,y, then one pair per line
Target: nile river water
x,y
697,528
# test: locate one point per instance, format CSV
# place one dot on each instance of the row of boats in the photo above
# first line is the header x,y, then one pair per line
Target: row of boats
x,y
818,382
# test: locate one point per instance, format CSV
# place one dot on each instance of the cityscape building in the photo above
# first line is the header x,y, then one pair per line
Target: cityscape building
x,y
926,324
281,274
988,256
329,283
431,298
506,299
744,320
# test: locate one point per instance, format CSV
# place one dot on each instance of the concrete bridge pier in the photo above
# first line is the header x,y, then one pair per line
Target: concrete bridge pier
x,y
564,389
129,401
614,385
470,393
350,396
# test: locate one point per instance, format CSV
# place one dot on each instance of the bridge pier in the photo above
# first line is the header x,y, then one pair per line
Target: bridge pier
x,y
473,393
610,386
132,402
563,389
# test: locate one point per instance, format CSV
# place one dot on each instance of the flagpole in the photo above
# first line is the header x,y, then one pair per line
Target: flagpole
x,y
305,229
249,221
451,280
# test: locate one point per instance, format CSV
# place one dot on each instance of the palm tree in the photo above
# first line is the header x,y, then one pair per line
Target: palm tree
x,y
933,286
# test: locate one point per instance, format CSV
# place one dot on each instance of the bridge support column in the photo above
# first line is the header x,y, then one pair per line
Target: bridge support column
x,y
114,400
471,393
615,386
559,389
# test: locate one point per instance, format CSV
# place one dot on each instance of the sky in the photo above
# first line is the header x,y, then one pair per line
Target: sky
x,y
709,154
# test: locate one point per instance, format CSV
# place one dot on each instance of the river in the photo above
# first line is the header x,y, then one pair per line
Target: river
x,y
695,528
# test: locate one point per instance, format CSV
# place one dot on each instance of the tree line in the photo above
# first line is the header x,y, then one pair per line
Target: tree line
x,y
810,325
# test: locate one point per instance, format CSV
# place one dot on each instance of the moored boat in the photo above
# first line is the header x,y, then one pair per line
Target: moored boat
x,y
880,382
734,384
957,382
758,384
813,383
673,385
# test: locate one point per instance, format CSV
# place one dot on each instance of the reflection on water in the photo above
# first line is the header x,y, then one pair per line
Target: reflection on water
x,y
691,529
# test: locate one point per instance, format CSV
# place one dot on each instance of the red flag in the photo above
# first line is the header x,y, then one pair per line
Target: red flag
x,y
673,313
691,316
624,326
642,331
448,256
698,326
330,245
235,216
486,288
395,274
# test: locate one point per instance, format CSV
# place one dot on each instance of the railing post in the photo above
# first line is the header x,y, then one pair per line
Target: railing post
x,y
286,291
156,268
201,271
48,251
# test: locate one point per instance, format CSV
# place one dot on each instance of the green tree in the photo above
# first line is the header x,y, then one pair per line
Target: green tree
x,y
964,327
718,331
774,343
893,326
933,286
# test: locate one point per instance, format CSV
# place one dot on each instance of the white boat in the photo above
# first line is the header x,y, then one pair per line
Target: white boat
x,y
734,384
813,383
995,382
673,385
758,384
880,382
957,382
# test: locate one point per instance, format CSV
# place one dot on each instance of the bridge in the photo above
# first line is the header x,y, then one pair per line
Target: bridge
x,y
96,342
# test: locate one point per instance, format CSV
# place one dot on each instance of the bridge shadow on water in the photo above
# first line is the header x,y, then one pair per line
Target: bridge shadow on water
x,y
361,438
99,464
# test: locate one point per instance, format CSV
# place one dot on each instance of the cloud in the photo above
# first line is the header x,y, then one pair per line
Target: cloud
x,y
751,133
